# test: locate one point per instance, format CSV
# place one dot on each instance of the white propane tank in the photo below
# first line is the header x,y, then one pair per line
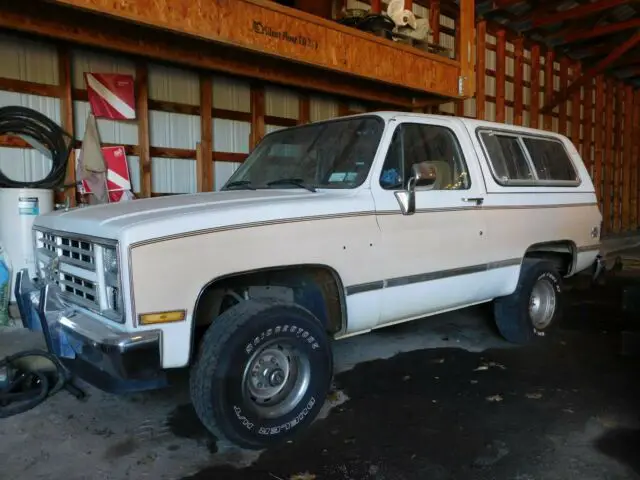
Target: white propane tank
x,y
19,207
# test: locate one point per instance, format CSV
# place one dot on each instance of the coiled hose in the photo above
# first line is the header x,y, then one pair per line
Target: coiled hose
x,y
26,389
32,125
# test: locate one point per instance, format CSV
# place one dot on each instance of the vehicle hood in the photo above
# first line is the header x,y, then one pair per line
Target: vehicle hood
x,y
143,219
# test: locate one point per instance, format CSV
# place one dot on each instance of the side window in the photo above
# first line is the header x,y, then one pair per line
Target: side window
x,y
550,159
507,157
417,143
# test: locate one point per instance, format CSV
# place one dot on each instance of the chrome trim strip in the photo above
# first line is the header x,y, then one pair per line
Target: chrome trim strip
x,y
588,248
430,276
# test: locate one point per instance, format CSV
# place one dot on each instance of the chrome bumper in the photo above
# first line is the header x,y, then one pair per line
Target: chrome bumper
x,y
91,349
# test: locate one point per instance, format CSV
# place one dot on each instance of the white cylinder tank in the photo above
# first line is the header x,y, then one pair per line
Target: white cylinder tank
x,y
19,207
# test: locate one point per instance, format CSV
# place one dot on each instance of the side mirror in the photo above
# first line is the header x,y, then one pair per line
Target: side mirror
x,y
421,174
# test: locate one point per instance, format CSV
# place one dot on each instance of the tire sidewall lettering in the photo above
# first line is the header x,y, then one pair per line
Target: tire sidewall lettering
x,y
282,330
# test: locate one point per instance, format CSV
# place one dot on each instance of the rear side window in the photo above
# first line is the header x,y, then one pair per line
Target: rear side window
x,y
507,157
550,159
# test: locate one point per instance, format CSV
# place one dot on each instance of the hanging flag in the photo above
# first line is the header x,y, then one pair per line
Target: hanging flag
x,y
111,95
91,165
118,179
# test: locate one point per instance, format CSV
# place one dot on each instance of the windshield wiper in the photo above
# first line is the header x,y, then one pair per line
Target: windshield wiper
x,y
298,182
240,184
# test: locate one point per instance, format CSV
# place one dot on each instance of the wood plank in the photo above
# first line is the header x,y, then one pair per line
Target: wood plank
x,y
518,83
200,173
304,109
52,21
599,158
635,167
564,81
576,102
548,85
587,150
257,115
29,88
229,157
501,71
626,158
66,116
205,159
616,167
434,20
466,52
481,56
142,115
534,120
607,173
270,29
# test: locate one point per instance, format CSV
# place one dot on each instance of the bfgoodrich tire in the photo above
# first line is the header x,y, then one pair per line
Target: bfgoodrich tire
x,y
535,308
263,371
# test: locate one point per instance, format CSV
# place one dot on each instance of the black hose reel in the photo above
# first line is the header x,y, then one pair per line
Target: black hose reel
x,y
42,133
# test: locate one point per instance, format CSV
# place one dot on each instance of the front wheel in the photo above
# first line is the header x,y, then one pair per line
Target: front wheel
x,y
536,305
263,372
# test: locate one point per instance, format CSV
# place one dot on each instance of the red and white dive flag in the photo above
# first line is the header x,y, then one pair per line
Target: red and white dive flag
x,y
111,95
118,179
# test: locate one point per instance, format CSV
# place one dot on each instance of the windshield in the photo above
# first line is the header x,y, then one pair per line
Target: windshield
x,y
333,154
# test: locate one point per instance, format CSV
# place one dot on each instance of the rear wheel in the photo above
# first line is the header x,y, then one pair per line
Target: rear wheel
x,y
263,372
536,305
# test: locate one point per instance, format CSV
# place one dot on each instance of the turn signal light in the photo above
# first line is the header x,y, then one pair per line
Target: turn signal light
x,y
162,317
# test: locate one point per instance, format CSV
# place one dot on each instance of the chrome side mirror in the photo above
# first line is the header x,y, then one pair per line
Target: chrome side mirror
x,y
421,174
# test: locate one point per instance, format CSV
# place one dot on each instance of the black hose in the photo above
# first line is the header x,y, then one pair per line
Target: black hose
x,y
27,389
23,121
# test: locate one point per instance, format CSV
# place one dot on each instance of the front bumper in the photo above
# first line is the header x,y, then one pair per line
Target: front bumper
x,y
107,358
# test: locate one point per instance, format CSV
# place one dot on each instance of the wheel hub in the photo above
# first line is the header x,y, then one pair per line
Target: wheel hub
x,y
542,303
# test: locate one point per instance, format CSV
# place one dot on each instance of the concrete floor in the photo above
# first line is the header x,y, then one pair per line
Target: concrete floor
x,y
436,399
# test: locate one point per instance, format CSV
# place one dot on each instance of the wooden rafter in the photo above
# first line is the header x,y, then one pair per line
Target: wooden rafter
x,y
601,31
541,16
593,71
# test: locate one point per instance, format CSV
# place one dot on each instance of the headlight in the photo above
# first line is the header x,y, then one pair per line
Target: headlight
x,y
110,260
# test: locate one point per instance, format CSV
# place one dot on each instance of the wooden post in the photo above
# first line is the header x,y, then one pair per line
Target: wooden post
x,y
304,109
66,110
501,74
142,114
626,158
548,87
617,158
576,102
635,167
206,133
466,24
481,67
599,159
376,6
564,82
434,20
587,137
607,177
200,169
518,77
343,109
257,115
534,112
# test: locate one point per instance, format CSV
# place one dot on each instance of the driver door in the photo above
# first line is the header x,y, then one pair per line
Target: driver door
x,y
431,260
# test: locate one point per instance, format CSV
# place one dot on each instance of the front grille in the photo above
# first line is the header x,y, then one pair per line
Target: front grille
x,y
77,252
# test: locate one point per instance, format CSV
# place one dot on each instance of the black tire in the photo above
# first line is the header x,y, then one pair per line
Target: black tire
x,y
221,398
511,313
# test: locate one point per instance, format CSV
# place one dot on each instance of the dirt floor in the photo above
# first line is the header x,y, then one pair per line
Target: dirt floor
x,y
443,398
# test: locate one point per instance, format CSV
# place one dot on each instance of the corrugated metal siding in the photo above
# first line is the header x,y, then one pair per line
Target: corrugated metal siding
x,y
229,136
173,175
272,128
281,102
28,60
223,170
231,94
323,108
85,61
111,131
169,84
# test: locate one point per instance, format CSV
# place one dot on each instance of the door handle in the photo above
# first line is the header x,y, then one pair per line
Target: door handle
x,y
477,200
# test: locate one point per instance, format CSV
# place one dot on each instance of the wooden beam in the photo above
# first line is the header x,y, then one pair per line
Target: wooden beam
x,y
65,76
257,115
599,158
481,52
607,174
626,158
548,88
544,18
29,88
587,134
207,182
564,81
518,83
576,102
534,118
142,115
376,6
617,158
635,167
304,109
434,20
593,71
600,31
466,24
501,72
